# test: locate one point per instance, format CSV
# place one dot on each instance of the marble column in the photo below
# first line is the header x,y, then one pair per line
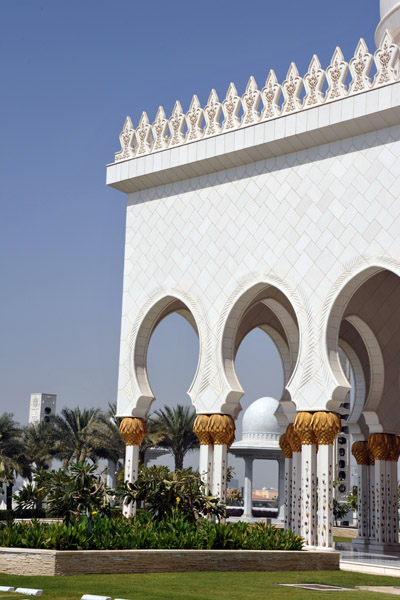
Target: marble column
x,y
201,429
287,452
385,449
303,428
222,432
111,477
133,430
326,426
295,444
362,455
281,490
248,487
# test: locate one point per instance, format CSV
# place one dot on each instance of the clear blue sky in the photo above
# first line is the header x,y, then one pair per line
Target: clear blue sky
x,y
70,73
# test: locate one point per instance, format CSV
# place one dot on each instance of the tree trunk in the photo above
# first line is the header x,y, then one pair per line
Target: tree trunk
x,y
9,489
178,462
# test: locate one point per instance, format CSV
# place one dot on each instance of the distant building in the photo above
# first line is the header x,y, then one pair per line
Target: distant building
x,y
42,407
264,494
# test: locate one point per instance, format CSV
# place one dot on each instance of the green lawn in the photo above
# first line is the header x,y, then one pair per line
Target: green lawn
x,y
199,586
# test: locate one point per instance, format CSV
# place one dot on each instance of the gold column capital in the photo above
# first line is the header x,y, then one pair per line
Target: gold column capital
x,y
384,446
293,438
326,425
201,429
395,453
221,429
285,446
133,430
303,427
361,453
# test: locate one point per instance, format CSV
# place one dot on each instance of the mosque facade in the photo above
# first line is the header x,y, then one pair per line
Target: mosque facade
x,y
278,209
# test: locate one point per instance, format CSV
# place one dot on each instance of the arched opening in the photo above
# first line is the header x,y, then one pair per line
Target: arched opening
x,y
265,307
366,320
165,362
171,366
364,327
260,353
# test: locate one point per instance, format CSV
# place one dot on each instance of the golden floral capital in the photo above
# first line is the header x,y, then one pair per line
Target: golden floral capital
x,y
303,427
361,453
201,429
133,430
326,426
293,438
285,446
222,429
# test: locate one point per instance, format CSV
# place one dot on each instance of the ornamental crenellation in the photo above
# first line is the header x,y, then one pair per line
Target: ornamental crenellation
x,y
206,122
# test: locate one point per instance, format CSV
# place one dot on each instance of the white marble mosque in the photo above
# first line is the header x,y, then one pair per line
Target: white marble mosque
x,y
278,209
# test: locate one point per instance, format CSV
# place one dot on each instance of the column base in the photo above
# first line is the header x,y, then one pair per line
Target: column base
x,y
323,548
384,548
361,544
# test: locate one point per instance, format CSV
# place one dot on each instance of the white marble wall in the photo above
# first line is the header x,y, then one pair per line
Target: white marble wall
x,y
306,222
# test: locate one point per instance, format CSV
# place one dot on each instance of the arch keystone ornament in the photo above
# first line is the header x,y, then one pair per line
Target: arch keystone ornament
x,y
133,430
303,427
288,454
201,429
326,426
222,432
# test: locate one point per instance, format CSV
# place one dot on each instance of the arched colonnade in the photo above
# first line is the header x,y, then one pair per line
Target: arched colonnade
x,y
359,315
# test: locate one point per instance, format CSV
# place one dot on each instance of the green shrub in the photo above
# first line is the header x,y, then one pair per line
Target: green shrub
x,y
176,531
163,492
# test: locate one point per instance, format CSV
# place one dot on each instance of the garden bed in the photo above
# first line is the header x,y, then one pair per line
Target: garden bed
x,y
22,561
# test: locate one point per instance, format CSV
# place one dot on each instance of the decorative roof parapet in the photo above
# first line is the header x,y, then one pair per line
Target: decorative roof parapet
x,y
205,122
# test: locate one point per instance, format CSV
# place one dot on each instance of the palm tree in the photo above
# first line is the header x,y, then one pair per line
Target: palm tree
x,y
75,434
12,459
174,426
108,443
39,443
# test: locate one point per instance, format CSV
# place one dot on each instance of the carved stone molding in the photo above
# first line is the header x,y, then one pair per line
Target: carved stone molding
x,y
133,430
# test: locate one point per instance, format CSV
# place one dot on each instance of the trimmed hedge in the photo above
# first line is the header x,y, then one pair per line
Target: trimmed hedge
x,y
141,532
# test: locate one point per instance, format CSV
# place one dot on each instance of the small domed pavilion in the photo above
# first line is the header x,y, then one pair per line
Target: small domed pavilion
x,y
260,441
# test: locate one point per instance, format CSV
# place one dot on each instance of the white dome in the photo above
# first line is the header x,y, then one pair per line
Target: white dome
x,y
259,421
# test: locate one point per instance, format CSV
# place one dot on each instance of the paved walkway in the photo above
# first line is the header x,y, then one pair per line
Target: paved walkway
x,y
362,562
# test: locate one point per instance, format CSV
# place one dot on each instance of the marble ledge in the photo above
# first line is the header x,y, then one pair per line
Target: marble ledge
x,y
348,117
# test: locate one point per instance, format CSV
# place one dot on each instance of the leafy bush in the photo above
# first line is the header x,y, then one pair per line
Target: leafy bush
x,y
69,493
163,492
176,531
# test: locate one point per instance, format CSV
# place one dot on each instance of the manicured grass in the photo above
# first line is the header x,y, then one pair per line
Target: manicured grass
x,y
342,538
199,586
